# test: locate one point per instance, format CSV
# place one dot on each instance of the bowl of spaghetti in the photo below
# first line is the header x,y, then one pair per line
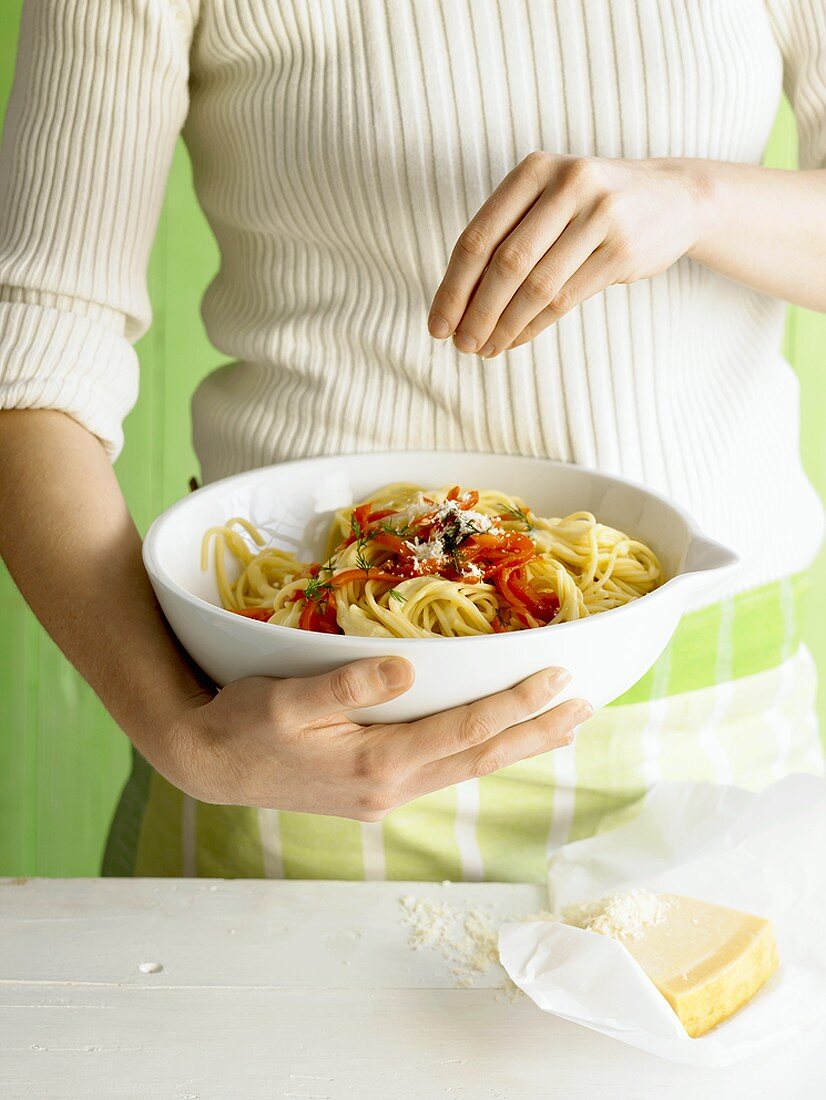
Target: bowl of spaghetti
x,y
479,569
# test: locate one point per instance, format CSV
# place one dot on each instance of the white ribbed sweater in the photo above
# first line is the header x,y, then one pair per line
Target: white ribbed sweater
x,y
339,147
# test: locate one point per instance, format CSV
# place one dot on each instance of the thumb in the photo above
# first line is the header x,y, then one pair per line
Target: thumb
x,y
361,684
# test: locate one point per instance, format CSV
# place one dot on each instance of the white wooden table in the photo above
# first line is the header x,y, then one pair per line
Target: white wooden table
x,y
298,990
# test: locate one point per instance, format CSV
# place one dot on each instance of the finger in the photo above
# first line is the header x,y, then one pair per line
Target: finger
x,y
511,263
491,224
360,684
595,275
453,731
580,239
549,731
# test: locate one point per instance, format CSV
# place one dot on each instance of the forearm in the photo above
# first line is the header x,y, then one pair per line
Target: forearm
x,y
763,227
71,546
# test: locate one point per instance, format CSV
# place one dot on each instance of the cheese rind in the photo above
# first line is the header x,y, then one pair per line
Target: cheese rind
x,y
706,960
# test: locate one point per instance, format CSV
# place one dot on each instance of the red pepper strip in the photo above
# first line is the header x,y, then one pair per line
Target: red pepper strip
x,y
393,543
364,516
510,540
319,617
349,575
409,567
498,564
262,614
502,582
465,500
542,605
361,519
361,516
509,517
358,522
494,553
539,606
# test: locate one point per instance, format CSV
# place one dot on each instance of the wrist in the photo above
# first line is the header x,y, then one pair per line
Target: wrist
x,y
700,183
171,736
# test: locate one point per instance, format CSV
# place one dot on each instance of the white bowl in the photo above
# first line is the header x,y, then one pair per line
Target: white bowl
x,y
292,504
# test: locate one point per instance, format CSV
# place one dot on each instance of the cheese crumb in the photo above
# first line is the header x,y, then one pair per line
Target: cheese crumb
x,y
466,520
434,550
620,916
467,940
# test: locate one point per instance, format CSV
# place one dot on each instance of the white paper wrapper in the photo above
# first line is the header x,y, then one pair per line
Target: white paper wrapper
x,y
764,853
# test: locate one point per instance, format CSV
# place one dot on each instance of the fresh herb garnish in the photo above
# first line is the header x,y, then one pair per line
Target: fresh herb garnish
x,y
362,535
454,534
389,529
317,589
518,514
394,594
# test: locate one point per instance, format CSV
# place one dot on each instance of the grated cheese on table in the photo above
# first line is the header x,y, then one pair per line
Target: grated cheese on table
x,y
620,916
466,939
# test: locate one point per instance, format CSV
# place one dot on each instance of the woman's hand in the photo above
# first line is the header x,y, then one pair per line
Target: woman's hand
x,y
557,230
286,743
260,741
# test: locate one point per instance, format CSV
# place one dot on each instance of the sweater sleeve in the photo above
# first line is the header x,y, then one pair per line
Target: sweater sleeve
x,y
800,30
99,97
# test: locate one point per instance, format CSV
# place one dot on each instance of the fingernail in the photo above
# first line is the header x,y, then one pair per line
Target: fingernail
x,y
583,712
438,326
464,342
393,673
558,678
487,350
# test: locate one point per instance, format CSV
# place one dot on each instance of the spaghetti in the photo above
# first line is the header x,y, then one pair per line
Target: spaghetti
x,y
413,563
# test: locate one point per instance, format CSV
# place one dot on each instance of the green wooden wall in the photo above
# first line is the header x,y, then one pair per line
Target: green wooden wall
x,y
62,760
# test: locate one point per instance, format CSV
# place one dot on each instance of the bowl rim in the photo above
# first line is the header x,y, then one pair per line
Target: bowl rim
x,y
157,574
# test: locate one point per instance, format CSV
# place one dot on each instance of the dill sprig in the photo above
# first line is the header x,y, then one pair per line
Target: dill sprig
x,y
453,535
389,529
361,561
317,589
362,537
394,594
518,514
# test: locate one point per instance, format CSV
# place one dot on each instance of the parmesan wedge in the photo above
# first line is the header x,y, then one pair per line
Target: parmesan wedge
x,y
706,960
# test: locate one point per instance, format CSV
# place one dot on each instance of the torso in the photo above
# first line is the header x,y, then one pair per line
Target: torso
x,y
339,149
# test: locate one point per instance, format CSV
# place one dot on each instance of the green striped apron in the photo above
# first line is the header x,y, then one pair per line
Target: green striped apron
x,y
731,700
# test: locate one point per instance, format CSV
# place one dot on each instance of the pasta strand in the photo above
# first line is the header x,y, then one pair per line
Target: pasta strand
x,y
416,563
